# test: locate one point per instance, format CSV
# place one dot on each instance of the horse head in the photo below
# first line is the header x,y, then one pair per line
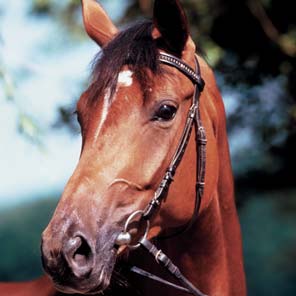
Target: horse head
x,y
132,117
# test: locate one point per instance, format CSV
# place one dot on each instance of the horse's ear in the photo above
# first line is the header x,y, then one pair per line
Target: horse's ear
x,y
97,23
170,25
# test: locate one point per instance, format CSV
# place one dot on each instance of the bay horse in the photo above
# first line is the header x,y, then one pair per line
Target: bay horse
x,y
146,86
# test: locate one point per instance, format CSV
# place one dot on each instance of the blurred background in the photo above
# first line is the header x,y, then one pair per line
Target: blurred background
x,y
45,59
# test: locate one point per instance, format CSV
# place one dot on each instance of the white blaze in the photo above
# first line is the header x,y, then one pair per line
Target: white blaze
x,y
104,114
125,78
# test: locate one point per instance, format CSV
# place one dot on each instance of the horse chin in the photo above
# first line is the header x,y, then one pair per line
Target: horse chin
x,y
71,291
84,288
95,284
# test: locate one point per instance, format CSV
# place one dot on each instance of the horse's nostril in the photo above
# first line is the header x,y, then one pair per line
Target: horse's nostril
x,y
79,256
83,252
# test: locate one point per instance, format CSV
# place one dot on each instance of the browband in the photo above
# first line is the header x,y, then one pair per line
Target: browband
x,y
175,62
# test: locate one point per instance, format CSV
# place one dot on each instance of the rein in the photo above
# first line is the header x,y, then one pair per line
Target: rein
x,y
193,119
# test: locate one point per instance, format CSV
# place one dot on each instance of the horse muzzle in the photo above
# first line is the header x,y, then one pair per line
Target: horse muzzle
x,y
77,264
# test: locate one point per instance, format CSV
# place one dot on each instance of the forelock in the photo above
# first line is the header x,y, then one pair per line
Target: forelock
x,y
133,47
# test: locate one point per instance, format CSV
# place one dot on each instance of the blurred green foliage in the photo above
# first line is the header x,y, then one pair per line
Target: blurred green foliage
x,y
66,14
20,232
27,126
268,226
26,123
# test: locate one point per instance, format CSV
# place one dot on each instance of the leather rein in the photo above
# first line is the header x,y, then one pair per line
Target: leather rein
x,y
193,119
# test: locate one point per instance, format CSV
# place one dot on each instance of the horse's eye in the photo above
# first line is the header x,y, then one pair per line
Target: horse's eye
x,y
165,113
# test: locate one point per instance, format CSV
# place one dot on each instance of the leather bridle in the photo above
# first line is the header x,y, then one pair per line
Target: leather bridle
x,y
193,118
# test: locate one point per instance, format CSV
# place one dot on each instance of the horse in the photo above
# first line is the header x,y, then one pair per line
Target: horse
x,y
143,181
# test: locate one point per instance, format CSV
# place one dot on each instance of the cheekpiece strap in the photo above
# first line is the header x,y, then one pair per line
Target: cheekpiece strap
x,y
193,115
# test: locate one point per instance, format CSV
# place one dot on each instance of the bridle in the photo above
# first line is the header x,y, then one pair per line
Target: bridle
x,y
193,118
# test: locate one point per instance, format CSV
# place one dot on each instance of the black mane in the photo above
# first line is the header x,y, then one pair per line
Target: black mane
x,y
134,47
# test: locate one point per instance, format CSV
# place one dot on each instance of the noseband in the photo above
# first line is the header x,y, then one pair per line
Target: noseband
x,y
193,118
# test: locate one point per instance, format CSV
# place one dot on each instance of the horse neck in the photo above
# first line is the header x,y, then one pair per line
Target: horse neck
x,y
203,252
210,253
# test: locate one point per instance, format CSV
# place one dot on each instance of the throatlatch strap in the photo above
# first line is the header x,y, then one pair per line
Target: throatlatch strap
x,y
163,260
156,278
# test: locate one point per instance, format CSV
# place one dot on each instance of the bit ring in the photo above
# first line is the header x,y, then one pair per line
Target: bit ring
x,y
129,221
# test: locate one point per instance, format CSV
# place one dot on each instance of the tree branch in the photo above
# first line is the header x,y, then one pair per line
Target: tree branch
x,y
281,40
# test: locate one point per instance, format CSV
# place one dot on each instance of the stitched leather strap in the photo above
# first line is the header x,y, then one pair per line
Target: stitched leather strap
x,y
163,260
175,62
168,178
156,278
